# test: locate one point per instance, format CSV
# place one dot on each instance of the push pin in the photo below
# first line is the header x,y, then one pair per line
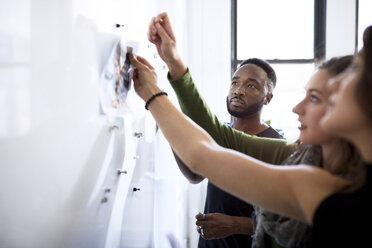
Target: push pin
x,y
121,171
136,189
112,128
138,135
118,25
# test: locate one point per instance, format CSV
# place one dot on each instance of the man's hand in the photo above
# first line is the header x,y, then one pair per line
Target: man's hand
x,y
161,34
144,78
217,225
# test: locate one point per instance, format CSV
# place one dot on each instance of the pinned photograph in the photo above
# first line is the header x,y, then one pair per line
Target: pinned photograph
x,y
122,83
116,77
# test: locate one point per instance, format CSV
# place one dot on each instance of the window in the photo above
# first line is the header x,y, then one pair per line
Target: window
x,y
290,35
364,19
274,29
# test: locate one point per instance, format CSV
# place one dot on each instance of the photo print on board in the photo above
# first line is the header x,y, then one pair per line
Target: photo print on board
x,y
116,78
122,85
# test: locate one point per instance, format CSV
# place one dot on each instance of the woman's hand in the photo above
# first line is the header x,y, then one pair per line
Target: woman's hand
x,y
144,77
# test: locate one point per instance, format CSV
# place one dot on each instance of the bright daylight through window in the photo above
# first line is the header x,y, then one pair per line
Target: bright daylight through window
x,y
281,32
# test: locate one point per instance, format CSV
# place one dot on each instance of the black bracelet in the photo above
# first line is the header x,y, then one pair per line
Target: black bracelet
x,y
153,97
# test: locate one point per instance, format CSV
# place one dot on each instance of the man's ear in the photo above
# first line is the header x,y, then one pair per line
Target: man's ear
x,y
268,98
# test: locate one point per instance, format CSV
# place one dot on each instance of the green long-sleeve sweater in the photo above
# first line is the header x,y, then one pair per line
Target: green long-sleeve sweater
x,y
272,151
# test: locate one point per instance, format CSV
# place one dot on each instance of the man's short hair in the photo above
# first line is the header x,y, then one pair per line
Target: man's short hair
x,y
265,66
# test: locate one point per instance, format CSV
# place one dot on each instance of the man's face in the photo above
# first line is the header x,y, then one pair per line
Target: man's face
x,y
248,91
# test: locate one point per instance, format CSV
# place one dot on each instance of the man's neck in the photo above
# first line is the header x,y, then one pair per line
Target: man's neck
x,y
250,125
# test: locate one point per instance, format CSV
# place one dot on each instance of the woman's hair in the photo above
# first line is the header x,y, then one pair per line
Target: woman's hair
x,y
363,88
344,153
346,159
336,65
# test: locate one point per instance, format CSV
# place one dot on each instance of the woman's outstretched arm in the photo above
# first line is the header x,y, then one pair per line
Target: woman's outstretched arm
x,y
294,191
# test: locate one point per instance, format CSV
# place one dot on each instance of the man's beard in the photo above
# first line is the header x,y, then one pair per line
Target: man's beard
x,y
248,112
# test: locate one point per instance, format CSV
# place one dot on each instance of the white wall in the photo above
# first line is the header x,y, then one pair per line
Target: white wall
x,y
54,144
209,48
59,154
208,56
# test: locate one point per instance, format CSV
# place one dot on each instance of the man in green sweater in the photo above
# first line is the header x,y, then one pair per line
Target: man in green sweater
x,y
227,220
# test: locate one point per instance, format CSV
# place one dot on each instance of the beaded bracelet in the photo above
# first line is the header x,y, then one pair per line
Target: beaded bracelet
x,y
153,97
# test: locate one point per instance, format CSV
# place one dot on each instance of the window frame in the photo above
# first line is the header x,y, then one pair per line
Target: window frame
x,y
320,15
356,25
